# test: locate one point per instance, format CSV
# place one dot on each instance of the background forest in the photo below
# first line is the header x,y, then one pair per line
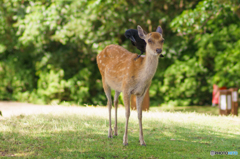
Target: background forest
x,y
48,48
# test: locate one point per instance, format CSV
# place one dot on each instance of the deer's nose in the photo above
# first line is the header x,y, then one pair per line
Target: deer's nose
x,y
159,50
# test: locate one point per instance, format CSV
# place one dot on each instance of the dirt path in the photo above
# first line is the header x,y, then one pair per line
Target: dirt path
x,y
9,109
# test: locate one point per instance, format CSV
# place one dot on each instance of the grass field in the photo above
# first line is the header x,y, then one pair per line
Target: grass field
x,y
83,134
198,109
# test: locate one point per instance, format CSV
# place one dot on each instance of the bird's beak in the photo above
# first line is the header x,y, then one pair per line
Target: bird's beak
x,y
132,39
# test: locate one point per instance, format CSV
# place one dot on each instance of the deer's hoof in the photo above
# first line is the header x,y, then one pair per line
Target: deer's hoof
x,y
125,144
142,143
110,136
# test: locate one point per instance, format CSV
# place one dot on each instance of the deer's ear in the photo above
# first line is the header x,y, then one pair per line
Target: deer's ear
x,y
141,32
159,30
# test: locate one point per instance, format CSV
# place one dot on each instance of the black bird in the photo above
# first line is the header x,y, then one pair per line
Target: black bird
x,y
132,34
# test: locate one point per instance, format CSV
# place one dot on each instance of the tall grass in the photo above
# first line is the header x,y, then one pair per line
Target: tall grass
x,y
82,133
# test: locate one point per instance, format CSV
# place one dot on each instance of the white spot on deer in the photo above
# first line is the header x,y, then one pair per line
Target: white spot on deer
x,y
122,69
100,60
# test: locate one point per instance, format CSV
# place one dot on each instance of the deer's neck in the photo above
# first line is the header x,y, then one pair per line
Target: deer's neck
x,y
149,67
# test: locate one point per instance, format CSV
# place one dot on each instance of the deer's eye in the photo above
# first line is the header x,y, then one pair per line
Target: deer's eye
x,y
149,40
162,41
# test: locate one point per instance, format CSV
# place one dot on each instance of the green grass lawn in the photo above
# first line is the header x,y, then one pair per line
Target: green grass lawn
x,y
84,134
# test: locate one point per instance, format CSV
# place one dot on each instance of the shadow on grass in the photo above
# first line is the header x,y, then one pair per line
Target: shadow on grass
x,y
198,109
76,140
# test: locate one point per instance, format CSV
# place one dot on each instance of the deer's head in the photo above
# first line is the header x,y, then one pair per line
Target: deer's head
x,y
154,40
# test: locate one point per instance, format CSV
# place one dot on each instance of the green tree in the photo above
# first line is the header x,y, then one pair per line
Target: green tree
x,y
48,48
211,32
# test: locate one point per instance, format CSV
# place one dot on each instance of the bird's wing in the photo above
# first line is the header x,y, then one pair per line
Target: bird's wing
x,y
133,43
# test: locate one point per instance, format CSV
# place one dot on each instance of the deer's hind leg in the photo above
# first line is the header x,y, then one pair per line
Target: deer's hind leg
x,y
107,91
116,106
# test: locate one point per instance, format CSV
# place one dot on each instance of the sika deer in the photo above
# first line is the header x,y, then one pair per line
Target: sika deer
x,y
122,73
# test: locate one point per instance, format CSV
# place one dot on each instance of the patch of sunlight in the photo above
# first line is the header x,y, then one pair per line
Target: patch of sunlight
x,y
168,134
200,141
23,154
72,150
100,133
5,128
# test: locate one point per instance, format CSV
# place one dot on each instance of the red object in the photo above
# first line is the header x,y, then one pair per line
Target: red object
x,y
215,94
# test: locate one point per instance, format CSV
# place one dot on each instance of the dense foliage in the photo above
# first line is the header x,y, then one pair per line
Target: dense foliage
x,y
48,48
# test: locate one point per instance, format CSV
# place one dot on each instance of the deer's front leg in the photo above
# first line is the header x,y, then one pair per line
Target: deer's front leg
x,y
126,100
116,106
139,109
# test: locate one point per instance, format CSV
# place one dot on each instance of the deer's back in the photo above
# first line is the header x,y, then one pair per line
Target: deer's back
x,y
117,66
115,58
